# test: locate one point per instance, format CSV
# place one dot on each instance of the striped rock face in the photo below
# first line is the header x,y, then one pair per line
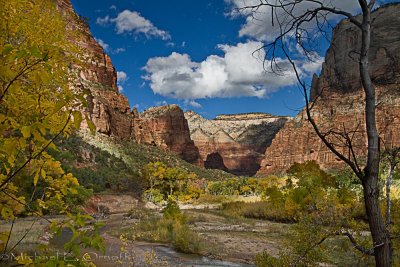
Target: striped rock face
x,y
340,104
234,143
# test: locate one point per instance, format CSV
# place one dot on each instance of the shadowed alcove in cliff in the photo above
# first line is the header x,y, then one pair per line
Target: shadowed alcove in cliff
x,y
215,161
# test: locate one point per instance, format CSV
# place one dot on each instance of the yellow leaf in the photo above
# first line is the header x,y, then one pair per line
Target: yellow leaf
x,y
77,119
91,125
26,131
73,191
43,173
2,118
36,179
7,213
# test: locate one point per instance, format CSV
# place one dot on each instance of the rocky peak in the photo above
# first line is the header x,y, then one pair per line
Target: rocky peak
x,y
160,111
166,127
341,105
107,108
340,71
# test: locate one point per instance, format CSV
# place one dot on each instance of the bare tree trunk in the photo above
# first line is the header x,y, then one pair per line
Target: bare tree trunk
x,y
380,235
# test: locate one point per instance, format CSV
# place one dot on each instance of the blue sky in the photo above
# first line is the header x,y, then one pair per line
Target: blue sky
x,y
197,54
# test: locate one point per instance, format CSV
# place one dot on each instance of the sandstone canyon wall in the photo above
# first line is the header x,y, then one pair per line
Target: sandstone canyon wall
x,y
167,128
107,108
339,106
234,143
110,111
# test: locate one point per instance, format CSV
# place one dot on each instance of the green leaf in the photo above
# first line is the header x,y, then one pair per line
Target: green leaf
x,y
7,49
21,54
35,52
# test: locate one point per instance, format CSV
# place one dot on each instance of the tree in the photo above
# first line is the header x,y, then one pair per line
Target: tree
x,y
293,18
392,156
37,105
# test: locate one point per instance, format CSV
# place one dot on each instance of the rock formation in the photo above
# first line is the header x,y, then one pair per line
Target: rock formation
x,y
340,71
166,127
110,111
107,108
339,106
234,143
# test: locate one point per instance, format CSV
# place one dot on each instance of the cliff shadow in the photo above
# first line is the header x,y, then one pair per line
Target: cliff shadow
x,y
215,161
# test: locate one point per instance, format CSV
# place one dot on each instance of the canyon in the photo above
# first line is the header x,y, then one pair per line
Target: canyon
x,y
339,100
234,143
255,143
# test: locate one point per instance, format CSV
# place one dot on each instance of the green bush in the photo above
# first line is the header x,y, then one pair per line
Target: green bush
x,y
263,210
172,211
171,228
184,239
263,259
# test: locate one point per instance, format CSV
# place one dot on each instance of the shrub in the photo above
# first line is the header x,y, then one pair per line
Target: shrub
x,y
263,259
171,228
172,211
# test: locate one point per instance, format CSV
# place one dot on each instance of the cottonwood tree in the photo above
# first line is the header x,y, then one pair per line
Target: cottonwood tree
x,y
296,21
37,105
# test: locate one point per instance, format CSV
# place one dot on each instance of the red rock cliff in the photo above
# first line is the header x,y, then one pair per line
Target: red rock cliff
x,y
167,128
340,71
110,111
234,143
107,108
341,102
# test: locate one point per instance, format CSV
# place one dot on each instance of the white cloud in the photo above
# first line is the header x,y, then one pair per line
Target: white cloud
x,y
122,77
258,23
103,44
192,103
132,22
237,73
118,50
113,7
161,103
103,21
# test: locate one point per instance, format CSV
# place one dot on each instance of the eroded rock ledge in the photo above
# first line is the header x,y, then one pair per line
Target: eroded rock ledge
x,y
234,143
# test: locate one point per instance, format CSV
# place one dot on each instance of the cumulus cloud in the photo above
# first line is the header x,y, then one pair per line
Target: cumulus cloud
x,y
192,103
107,48
239,72
103,21
132,22
122,77
103,44
258,24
